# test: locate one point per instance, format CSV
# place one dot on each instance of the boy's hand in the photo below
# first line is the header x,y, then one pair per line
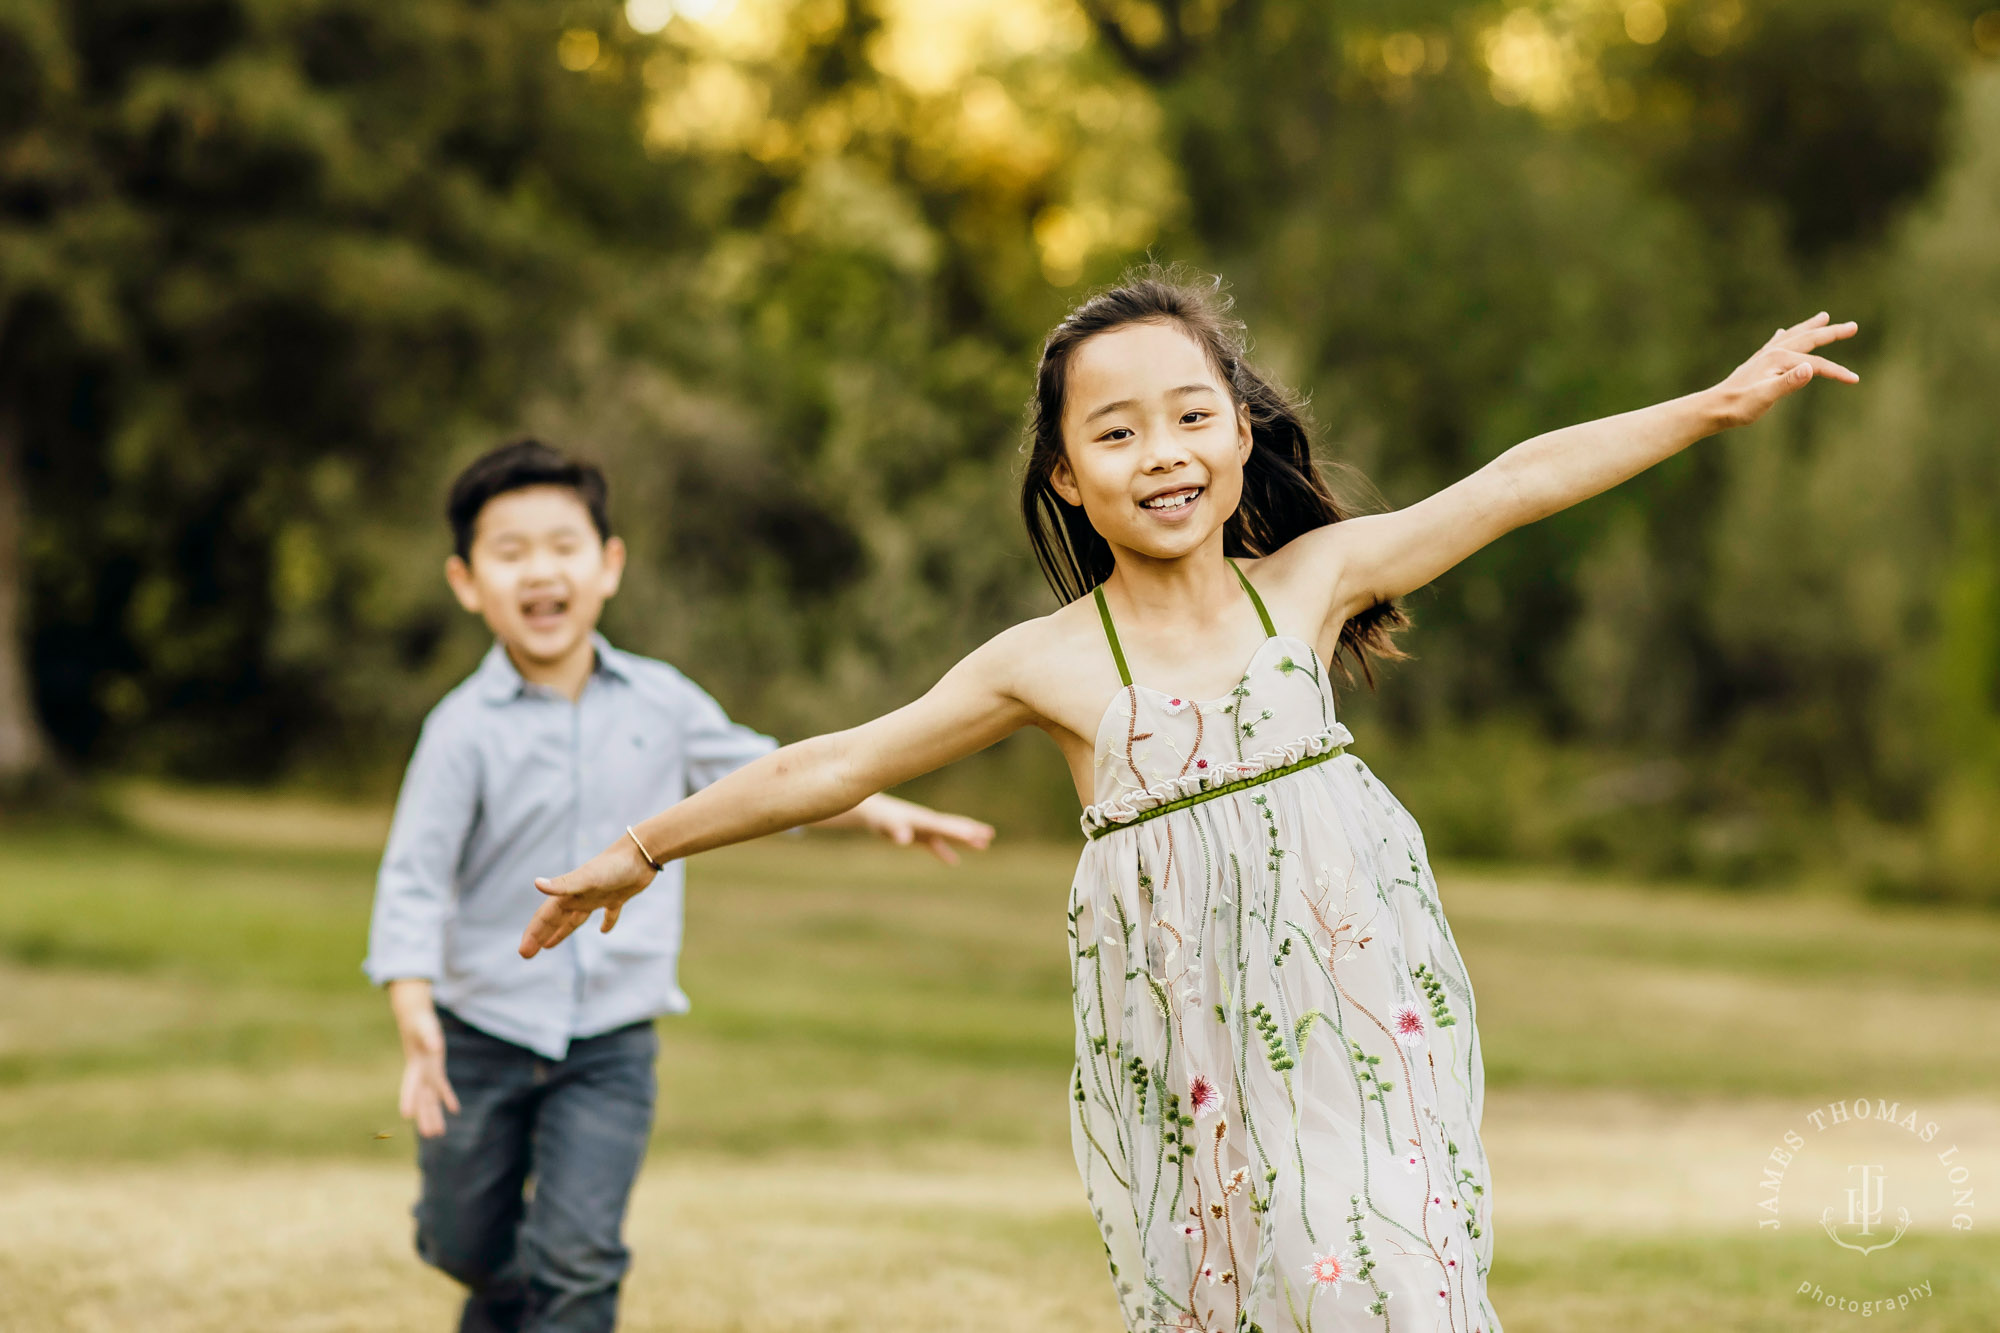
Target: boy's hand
x,y
906,823
427,1093
1783,365
608,880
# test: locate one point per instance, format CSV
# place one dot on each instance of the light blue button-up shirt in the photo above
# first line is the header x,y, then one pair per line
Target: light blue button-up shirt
x,y
512,780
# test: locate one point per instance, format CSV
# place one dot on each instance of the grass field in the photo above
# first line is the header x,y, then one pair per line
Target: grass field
x,y
862,1124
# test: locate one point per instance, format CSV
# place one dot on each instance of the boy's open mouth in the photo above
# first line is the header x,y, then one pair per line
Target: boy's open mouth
x,y
545,611
1171,500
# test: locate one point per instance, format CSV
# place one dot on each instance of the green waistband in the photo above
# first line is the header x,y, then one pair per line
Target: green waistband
x,y
1256,780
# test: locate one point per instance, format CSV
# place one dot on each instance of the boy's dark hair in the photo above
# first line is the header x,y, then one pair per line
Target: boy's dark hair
x,y
1283,492
515,467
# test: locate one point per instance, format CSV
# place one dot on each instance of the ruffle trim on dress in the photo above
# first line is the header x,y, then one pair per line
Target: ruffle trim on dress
x,y
1100,818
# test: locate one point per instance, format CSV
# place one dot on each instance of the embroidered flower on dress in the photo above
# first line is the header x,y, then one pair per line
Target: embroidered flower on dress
x,y
1444,1296
1411,1161
1330,1270
1204,1095
1408,1025
1174,707
1201,765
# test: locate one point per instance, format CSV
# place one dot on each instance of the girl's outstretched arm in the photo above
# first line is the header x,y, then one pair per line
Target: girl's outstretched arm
x,y
972,707
1386,555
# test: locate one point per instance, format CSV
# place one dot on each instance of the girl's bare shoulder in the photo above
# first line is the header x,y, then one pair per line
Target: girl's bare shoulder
x,y
1034,647
1058,665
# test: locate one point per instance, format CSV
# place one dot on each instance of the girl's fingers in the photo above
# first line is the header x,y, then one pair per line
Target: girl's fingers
x,y
1807,340
1804,325
549,928
1833,370
610,919
450,1098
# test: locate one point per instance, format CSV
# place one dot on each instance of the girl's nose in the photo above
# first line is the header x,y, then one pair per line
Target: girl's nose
x,y
1164,452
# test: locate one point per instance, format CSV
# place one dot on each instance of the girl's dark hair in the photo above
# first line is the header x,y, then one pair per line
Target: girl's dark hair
x,y
1283,492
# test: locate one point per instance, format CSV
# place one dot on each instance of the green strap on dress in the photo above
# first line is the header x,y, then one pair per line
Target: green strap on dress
x,y
1111,632
1270,630
1227,788
1117,653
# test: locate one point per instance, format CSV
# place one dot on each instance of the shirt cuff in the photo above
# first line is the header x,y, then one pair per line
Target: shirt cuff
x,y
402,967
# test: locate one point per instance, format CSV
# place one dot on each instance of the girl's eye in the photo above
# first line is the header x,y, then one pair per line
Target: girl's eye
x,y
1193,415
1116,434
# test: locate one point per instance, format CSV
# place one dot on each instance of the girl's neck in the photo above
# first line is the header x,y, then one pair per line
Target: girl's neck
x,y
1196,588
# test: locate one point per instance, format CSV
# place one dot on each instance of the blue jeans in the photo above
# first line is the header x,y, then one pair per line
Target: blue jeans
x,y
524,1194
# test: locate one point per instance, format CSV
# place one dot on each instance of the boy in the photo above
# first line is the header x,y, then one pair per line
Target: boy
x,y
517,1070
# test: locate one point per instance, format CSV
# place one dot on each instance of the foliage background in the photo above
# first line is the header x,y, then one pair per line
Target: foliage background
x,y
271,270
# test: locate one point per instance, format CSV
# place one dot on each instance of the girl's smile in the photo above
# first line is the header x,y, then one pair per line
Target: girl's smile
x,y
1173,506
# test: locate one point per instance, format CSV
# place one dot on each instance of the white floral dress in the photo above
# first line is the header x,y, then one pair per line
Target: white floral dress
x,y
1278,1084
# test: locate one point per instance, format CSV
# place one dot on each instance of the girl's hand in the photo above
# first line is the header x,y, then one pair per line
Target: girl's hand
x,y
906,824
1783,365
608,880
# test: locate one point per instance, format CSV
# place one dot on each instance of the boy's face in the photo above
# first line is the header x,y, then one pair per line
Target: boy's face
x,y
538,574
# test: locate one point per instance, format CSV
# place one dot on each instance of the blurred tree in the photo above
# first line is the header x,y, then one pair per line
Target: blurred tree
x,y
263,263
1860,573
270,269
1460,225
820,484
28,47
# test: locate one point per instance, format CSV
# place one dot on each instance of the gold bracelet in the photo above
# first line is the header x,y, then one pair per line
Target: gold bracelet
x,y
644,854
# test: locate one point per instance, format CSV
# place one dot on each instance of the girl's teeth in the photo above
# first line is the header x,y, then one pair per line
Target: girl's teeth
x,y
1172,501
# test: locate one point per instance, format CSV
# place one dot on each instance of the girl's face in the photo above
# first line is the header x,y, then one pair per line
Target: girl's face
x,y
1153,444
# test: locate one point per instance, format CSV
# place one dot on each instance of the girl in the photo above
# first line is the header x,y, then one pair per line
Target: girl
x,y
1276,1099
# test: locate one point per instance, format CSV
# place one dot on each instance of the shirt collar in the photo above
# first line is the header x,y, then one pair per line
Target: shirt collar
x,y
500,681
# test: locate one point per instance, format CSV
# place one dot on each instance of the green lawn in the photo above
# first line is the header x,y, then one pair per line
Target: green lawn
x,y
175,1007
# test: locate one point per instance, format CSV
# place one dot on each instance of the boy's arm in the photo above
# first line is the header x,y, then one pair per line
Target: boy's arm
x,y
1383,556
426,1093
435,812
975,705
716,746
908,824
